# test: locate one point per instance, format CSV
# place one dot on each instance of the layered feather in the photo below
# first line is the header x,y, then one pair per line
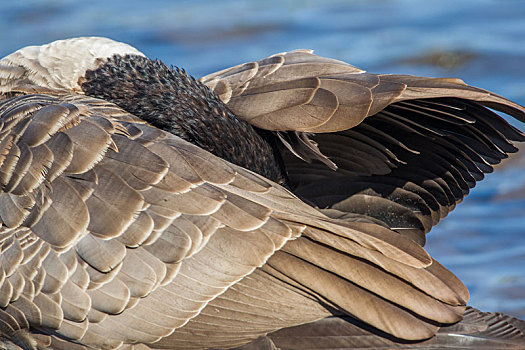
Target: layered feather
x,y
115,233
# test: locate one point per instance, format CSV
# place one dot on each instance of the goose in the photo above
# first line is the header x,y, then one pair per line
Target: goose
x,y
277,204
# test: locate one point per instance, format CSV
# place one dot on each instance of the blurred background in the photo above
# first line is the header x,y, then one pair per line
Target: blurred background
x,y
481,41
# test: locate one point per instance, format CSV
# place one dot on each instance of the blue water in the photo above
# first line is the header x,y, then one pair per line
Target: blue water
x,y
481,41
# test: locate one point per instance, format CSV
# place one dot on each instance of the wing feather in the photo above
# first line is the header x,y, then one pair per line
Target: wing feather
x,y
435,133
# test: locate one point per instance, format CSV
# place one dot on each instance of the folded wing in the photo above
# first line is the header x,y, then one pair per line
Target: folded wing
x,y
115,232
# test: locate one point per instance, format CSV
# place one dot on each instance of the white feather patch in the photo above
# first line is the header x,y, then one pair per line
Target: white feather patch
x,y
61,64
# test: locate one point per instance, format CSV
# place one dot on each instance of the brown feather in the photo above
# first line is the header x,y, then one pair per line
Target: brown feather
x,y
116,232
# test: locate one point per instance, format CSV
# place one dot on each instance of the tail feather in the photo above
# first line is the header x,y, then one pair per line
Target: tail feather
x,y
477,330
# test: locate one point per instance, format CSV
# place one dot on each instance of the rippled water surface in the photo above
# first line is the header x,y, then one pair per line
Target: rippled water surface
x,y
483,42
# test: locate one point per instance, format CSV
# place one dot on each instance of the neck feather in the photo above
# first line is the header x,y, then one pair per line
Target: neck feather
x,y
175,102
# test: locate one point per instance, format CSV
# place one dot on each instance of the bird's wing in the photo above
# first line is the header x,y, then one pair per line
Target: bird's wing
x,y
407,149
477,330
117,232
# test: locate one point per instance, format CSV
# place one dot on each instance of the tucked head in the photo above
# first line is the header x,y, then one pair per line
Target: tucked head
x,y
160,95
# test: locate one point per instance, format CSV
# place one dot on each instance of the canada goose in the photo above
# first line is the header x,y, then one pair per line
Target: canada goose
x,y
141,208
